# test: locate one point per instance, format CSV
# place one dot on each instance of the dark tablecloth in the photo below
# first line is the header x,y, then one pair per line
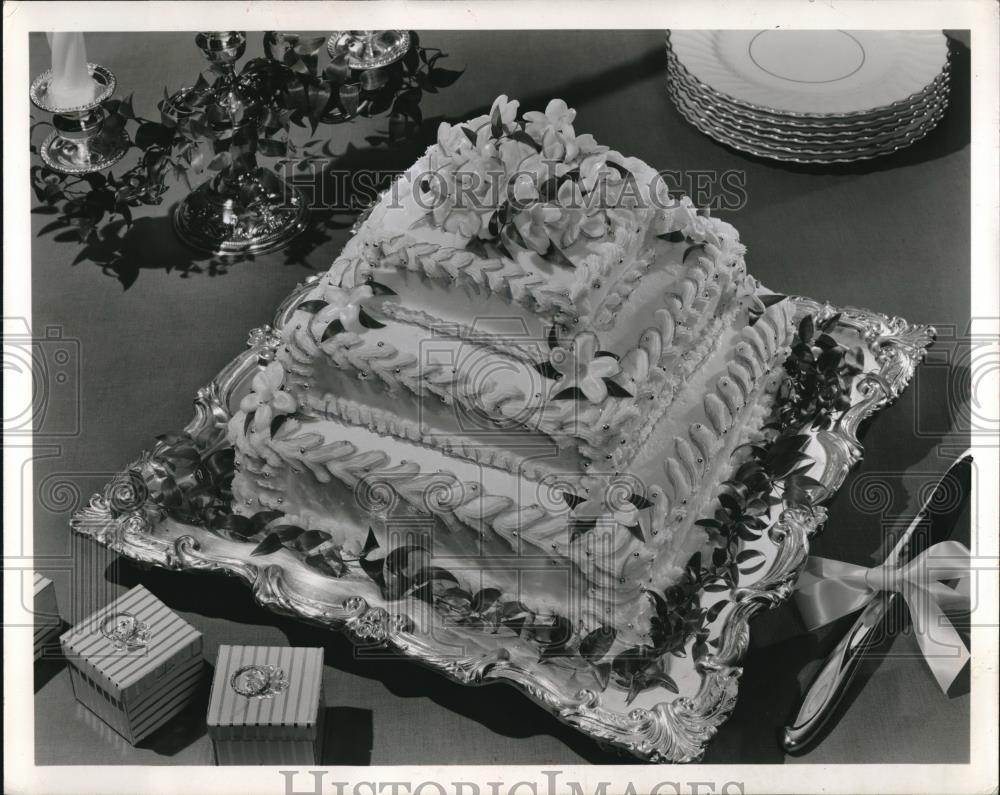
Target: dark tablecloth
x,y
892,235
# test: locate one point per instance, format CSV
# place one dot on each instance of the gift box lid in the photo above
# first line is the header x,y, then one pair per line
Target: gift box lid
x,y
128,645
265,692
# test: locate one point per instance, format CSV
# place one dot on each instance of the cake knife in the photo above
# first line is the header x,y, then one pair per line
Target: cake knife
x,y
927,528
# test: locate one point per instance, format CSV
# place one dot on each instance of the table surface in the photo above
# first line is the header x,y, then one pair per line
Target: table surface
x,y
891,234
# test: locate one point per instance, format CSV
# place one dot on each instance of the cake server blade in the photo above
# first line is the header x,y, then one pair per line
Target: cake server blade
x,y
930,526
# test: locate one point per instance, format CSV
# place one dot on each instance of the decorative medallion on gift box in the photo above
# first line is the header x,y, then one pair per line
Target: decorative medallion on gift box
x,y
135,663
266,705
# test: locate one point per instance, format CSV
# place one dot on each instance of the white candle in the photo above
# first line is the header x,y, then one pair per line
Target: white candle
x,y
71,84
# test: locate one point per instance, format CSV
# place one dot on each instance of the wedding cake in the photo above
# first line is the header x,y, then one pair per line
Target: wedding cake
x,y
530,357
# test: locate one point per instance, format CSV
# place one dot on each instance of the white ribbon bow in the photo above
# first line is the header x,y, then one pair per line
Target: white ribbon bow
x,y
829,589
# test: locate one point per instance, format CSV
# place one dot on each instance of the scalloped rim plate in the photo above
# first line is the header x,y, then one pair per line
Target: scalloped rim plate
x,y
800,154
778,71
819,131
864,139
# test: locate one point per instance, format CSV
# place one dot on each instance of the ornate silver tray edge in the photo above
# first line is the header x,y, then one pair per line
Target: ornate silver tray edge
x,y
675,731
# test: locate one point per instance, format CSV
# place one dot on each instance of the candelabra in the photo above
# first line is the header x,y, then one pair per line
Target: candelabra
x,y
367,52
245,208
81,142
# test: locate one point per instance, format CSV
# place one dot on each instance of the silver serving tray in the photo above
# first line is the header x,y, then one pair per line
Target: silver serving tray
x,y
658,725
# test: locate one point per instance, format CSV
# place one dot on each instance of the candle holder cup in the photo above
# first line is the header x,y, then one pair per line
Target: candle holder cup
x,y
81,143
245,208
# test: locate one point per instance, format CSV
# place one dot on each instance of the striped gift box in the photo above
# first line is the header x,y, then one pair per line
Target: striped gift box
x,y
46,618
134,663
277,725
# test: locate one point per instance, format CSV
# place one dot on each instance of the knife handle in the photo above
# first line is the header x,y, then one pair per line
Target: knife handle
x,y
837,672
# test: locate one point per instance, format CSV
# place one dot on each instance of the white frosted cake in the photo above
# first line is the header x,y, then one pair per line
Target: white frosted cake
x,y
531,356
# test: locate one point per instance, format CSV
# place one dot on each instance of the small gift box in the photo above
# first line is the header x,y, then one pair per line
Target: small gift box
x,y
47,621
266,705
135,663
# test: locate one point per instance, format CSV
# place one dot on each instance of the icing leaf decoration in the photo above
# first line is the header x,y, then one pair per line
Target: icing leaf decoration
x,y
624,172
380,289
469,134
806,328
615,389
549,189
247,422
830,322
310,539
371,543
715,610
494,225
556,256
636,530
457,599
696,247
640,502
335,327
367,320
771,299
235,524
268,546
396,561
597,643
553,337
476,246
496,125
422,586
731,505
329,564
572,500
373,568
262,519
676,236
312,306
485,599
277,422
614,356
522,137
746,557
546,369
602,673
555,636
570,393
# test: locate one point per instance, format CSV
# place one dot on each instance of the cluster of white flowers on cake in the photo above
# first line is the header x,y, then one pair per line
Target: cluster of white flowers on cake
x,y
533,181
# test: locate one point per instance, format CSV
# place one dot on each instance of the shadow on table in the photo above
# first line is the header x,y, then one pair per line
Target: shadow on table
x,y
187,726
348,736
50,663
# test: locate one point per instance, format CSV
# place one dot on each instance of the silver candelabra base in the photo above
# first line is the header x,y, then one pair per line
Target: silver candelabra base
x,y
251,212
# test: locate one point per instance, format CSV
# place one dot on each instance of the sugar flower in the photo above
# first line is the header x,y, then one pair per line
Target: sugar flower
x,y
531,224
343,305
583,368
507,109
267,399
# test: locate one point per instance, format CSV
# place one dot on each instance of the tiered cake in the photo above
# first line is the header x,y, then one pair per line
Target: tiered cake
x,y
531,356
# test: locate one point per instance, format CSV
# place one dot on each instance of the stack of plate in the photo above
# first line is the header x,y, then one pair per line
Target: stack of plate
x,y
810,96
